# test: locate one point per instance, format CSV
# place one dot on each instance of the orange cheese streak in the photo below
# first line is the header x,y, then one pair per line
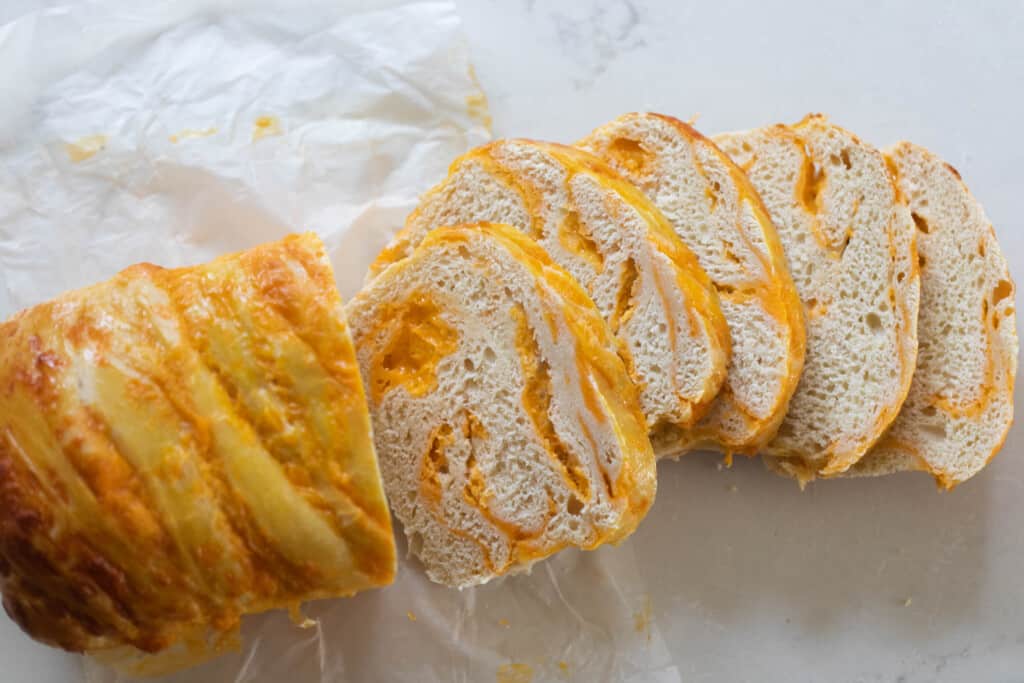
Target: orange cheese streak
x,y
420,339
599,367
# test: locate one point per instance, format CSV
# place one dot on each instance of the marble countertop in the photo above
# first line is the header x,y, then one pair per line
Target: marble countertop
x,y
864,580
869,580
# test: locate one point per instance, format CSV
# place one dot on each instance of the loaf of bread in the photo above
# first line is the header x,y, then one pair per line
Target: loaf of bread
x,y
960,404
647,285
507,426
718,214
850,244
182,447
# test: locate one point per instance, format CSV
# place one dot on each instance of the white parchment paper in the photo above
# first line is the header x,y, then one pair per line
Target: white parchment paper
x,y
173,134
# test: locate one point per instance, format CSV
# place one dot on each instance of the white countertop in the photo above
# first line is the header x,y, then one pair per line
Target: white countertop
x,y
863,580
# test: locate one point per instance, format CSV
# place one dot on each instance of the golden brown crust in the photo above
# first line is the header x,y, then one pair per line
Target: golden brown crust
x,y
158,434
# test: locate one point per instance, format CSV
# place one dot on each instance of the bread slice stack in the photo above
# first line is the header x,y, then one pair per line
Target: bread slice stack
x,y
647,285
506,425
960,404
851,250
550,317
715,210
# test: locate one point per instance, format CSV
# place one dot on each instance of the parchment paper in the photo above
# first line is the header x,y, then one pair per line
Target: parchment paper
x,y
174,134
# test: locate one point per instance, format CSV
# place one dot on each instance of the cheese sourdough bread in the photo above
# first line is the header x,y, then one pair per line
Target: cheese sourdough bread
x,y
718,214
960,404
647,285
181,447
850,245
506,425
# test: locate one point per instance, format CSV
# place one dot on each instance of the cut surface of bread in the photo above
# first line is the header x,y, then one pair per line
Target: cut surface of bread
x,y
960,404
850,245
506,425
606,233
182,447
718,214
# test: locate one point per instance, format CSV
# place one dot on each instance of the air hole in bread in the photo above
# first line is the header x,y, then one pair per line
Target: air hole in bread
x,y
468,365
846,241
921,261
576,237
1003,289
929,411
809,184
489,355
712,199
625,297
920,222
631,154
574,505
845,157
415,542
981,248
873,321
936,430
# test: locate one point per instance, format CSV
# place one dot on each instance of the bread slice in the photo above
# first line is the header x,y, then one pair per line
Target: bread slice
x,y
850,245
607,234
960,404
719,215
506,425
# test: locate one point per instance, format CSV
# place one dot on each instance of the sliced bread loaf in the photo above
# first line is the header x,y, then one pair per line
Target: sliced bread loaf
x,y
506,426
850,245
960,404
606,233
716,211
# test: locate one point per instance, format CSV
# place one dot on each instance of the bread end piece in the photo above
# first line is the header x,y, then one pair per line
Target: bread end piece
x,y
182,447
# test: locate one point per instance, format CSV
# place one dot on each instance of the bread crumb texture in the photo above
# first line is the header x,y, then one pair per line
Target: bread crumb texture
x,y
506,424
